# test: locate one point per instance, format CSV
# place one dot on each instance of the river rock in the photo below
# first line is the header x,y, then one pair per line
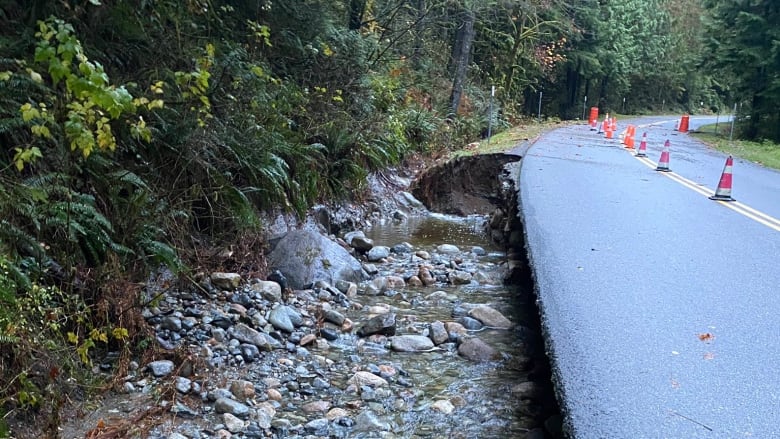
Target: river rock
x,y
268,290
227,405
458,277
232,423
315,407
478,251
447,249
383,324
490,317
336,413
306,256
285,318
264,414
361,243
161,368
171,323
526,390
443,406
477,350
410,343
368,421
318,427
424,273
334,317
242,390
225,281
378,253
363,378
438,333
402,248
470,323
245,334
183,385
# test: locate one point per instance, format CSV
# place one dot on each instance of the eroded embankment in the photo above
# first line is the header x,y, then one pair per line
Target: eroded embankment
x,y
487,184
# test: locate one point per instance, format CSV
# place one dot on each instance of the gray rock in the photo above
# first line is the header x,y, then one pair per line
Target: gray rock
x,y
378,253
399,215
245,334
402,248
285,318
232,423
370,269
478,251
225,281
334,317
368,421
177,436
171,323
475,349
317,426
183,385
458,277
410,201
268,290
306,256
490,317
438,333
219,394
469,323
189,322
250,352
362,244
183,411
383,324
227,405
264,414
448,249
410,343
242,390
161,368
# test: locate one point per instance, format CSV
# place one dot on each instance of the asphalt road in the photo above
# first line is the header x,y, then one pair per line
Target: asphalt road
x,y
661,307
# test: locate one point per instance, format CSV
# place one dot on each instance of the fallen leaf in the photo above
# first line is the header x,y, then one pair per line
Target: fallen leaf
x,y
675,384
709,356
706,337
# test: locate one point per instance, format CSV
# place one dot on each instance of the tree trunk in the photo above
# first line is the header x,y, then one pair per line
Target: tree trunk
x,y
463,40
417,50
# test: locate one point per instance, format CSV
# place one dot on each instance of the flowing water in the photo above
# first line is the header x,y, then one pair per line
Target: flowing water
x,y
485,395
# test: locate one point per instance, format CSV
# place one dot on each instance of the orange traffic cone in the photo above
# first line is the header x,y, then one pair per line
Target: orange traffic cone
x,y
663,163
642,146
609,132
723,193
602,127
614,124
630,142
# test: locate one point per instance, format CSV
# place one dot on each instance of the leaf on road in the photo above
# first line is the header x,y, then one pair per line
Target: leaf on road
x,y
706,337
709,356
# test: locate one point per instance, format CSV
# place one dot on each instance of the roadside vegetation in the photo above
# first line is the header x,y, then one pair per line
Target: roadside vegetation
x,y
143,134
765,152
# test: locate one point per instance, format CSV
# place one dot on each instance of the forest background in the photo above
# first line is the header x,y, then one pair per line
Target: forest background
x,y
136,133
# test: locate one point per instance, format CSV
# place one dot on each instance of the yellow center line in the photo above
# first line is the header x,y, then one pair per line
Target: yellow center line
x,y
741,208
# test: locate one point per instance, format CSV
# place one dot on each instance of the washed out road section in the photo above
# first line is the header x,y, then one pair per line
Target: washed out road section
x,y
659,305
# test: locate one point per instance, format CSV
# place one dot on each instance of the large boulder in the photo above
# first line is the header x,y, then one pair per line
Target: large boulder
x,y
305,256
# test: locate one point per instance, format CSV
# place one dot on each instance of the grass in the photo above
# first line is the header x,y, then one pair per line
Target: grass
x,y
527,130
764,153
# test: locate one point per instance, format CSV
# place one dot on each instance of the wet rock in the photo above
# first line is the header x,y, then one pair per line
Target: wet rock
x,y
458,277
410,200
378,253
490,317
171,323
402,248
438,333
477,350
329,334
410,343
232,423
383,324
526,390
245,334
227,405
242,390
317,426
368,421
285,318
478,251
470,323
370,269
425,275
225,281
455,330
264,414
306,256
443,406
183,385
336,413
316,407
422,254
161,368
363,378
448,249
268,290
361,244
334,317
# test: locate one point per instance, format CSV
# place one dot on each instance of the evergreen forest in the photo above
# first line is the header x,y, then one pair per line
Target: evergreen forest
x,y
141,133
